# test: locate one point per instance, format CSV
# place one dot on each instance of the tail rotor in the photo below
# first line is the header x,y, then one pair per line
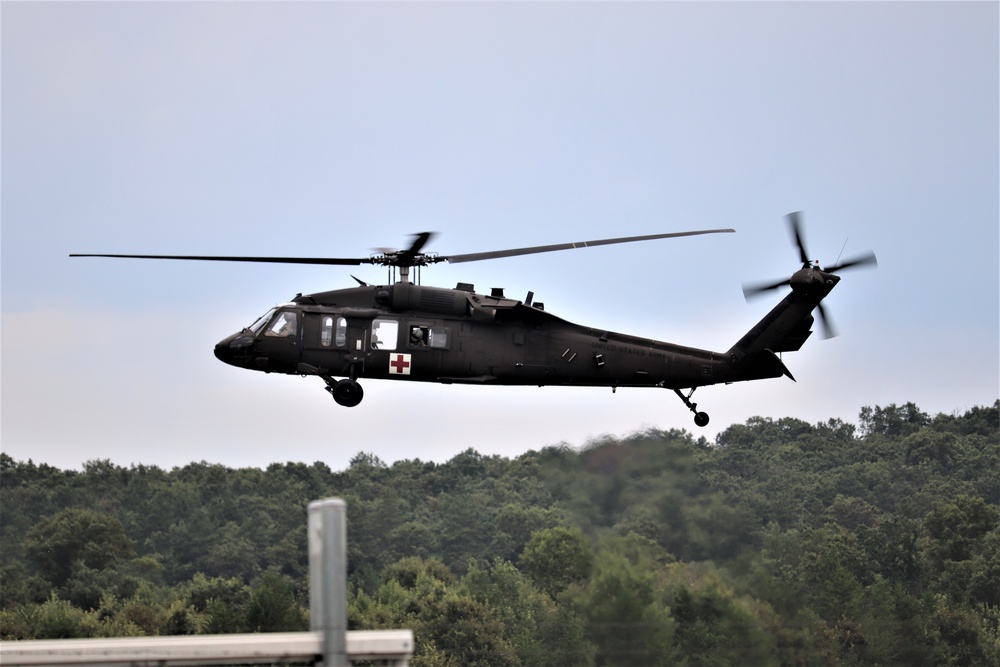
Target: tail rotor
x,y
795,225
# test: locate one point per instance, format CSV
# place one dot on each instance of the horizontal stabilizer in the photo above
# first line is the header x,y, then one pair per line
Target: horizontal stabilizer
x,y
761,365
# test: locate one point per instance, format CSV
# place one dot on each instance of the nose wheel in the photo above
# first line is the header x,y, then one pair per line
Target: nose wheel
x,y
700,418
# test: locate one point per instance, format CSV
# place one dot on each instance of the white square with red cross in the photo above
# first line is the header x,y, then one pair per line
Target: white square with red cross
x,y
399,364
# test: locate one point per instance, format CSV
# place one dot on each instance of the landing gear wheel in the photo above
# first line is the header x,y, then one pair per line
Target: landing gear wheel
x,y
346,392
700,418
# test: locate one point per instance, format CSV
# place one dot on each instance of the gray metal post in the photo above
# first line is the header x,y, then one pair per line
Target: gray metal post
x,y
328,577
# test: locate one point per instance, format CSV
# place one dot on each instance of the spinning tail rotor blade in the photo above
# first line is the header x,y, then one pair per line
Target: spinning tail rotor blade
x,y
796,224
867,259
751,290
825,323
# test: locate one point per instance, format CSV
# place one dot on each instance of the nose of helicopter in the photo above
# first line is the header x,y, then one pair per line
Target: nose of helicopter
x,y
235,350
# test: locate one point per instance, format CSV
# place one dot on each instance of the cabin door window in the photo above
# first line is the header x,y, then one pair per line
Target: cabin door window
x,y
385,335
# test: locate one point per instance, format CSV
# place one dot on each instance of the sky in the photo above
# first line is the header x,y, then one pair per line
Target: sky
x,y
331,129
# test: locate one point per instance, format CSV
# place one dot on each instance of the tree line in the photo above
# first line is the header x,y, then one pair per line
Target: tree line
x,y
779,543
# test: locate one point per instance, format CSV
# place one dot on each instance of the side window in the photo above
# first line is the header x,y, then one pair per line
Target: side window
x,y
326,331
341,337
425,336
284,325
384,334
418,335
437,337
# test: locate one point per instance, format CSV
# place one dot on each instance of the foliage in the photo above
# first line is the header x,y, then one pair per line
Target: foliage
x,y
556,558
68,541
781,543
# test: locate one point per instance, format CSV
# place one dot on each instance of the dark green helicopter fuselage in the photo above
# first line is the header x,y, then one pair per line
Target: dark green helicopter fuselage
x,y
429,334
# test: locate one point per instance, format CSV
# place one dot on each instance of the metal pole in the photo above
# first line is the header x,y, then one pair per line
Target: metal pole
x,y
328,577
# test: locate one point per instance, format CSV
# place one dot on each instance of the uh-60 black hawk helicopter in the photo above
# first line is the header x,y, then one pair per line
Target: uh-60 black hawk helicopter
x,y
405,331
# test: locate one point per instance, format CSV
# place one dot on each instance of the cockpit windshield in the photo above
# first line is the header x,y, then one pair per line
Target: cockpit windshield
x,y
284,325
261,321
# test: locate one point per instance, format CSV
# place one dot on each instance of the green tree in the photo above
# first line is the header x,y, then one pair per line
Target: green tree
x,y
466,631
59,543
212,605
958,637
892,420
451,627
273,607
59,619
955,527
714,627
627,616
555,558
540,631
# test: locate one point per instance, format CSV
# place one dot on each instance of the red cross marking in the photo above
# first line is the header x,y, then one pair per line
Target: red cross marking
x,y
399,365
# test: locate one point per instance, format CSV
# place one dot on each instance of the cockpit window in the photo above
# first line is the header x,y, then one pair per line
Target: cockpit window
x,y
261,321
283,325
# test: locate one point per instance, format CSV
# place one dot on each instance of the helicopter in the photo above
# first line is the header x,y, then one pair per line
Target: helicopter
x,y
406,331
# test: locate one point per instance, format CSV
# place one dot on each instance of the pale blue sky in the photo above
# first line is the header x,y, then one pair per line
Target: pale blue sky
x,y
334,128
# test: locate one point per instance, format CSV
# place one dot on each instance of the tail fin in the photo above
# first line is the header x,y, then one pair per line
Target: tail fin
x,y
784,329
789,324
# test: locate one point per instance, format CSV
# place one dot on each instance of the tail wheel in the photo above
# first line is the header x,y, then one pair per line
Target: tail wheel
x,y
700,418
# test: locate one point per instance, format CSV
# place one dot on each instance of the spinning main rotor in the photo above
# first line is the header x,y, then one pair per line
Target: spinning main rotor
x,y
413,256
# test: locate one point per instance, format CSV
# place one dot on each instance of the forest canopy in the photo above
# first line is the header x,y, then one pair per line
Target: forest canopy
x,y
780,543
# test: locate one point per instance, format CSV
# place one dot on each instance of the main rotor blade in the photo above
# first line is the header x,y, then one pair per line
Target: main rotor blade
x,y
862,260
408,257
412,256
339,261
513,252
